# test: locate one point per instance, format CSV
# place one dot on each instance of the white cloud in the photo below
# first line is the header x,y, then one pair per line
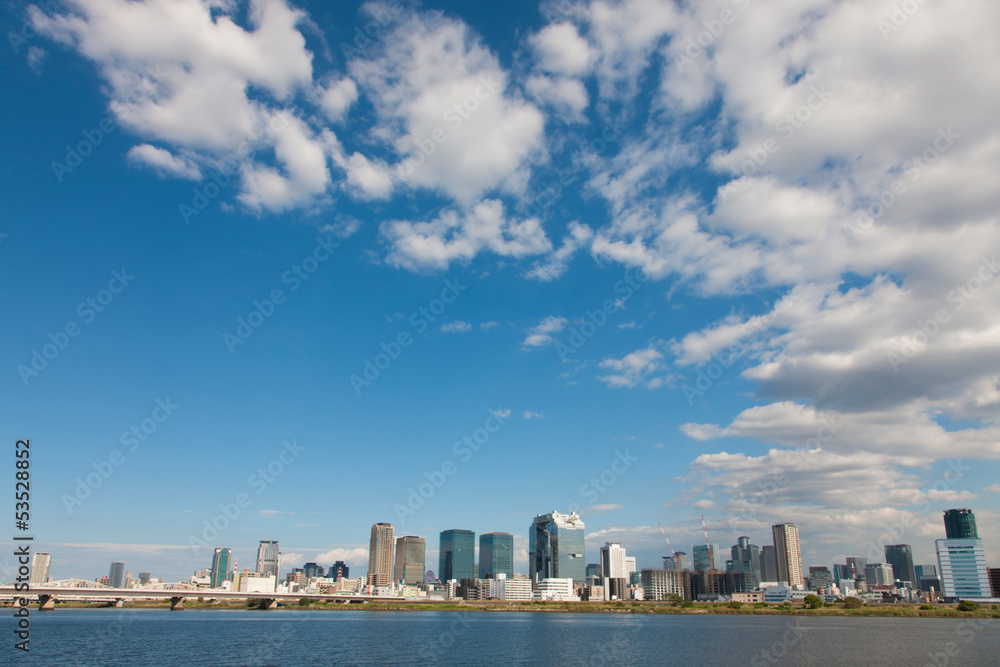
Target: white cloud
x,y
528,414
644,367
444,108
455,235
273,514
338,96
555,264
559,49
992,488
164,161
541,335
354,557
486,326
456,327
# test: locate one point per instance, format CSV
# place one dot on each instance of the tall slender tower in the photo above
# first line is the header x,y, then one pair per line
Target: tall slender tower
x,y
380,554
267,558
788,553
221,561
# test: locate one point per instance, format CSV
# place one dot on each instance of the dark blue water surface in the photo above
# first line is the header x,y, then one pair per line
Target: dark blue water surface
x,y
252,638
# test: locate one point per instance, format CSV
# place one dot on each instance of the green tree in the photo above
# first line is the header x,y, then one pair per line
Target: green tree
x,y
967,605
853,603
735,605
813,601
303,602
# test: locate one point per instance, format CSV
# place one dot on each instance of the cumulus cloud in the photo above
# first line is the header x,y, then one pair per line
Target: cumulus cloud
x,y
164,161
456,327
541,334
644,367
456,235
555,264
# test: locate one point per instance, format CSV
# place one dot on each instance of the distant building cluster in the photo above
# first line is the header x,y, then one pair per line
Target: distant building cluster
x,y
558,571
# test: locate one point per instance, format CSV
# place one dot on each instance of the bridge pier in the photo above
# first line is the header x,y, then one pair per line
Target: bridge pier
x,y
176,604
270,604
46,603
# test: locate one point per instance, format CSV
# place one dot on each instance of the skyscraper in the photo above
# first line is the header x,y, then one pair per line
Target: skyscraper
x,y
380,554
222,566
457,555
40,568
768,563
556,547
900,558
410,552
746,558
960,525
788,553
613,561
339,569
964,575
268,558
703,556
878,574
116,577
856,567
312,570
496,555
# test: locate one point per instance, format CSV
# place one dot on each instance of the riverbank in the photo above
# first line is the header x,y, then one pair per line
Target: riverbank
x,y
495,606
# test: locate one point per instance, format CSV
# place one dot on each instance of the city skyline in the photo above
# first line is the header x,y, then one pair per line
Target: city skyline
x,y
596,257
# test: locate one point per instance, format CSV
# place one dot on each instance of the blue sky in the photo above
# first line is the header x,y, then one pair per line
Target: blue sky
x,y
753,262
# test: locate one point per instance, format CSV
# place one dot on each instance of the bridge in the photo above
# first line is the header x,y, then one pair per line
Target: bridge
x,y
47,595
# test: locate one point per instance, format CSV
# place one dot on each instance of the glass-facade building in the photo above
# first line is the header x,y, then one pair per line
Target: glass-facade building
x,y
901,559
496,555
556,548
267,558
960,525
116,576
457,557
222,565
410,551
963,572
746,558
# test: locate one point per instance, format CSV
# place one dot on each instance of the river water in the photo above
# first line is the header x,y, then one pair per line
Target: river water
x,y
262,638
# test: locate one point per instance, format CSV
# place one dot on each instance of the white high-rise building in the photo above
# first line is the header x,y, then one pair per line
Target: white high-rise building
x,y
878,574
516,588
788,552
268,559
962,568
629,565
381,549
40,568
613,559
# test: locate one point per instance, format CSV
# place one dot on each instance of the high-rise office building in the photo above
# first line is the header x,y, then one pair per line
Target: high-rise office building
x,y
960,525
116,577
313,570
703,556
746,558
840,572
410,551
820,577
143,578
457,555
927,577
40,568
613,561
381,548
900,558
268,558
222,567
878,574
339,569
993,574
963,571
788,553
768,563
556,547
496,555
